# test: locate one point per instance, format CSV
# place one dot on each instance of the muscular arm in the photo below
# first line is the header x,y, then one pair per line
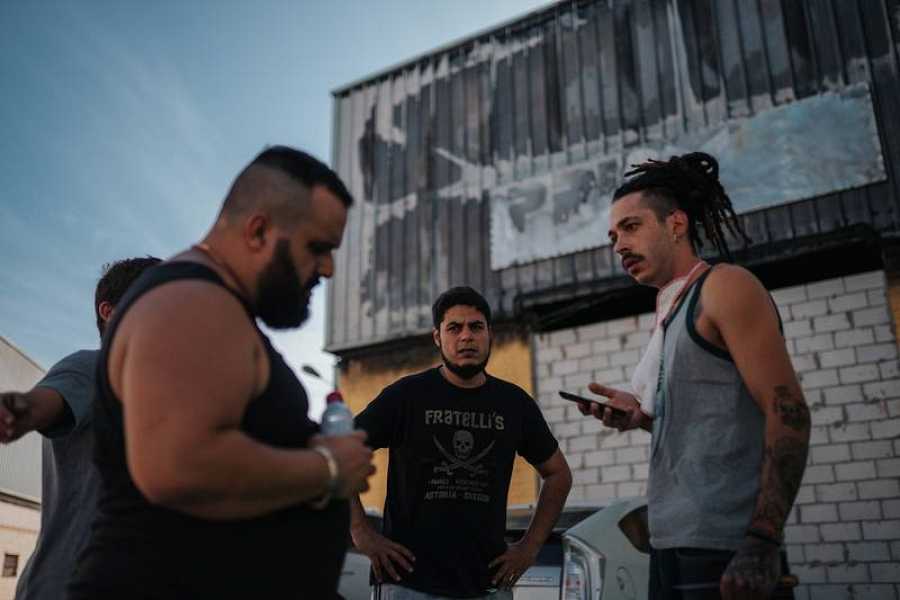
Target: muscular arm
x,y
742,312
185,363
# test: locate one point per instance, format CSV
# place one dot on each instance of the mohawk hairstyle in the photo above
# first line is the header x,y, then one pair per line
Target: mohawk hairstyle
x,y
691,183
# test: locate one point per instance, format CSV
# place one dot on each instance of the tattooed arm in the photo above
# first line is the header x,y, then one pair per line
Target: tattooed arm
x,y
755,568
784,460
738,315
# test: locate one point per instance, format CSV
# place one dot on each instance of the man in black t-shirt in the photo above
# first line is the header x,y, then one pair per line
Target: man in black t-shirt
x,y
453,432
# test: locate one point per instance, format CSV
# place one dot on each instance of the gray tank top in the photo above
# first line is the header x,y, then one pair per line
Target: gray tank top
x,y
707,446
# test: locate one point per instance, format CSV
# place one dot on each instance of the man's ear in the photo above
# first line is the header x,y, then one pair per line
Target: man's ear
x,y
436,336
678,221
256,231
105,310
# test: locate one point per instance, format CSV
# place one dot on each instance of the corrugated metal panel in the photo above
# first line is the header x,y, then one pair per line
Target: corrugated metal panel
x,y
422,145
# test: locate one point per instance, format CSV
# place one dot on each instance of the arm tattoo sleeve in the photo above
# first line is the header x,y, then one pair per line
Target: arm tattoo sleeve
x,y
792,410
784,460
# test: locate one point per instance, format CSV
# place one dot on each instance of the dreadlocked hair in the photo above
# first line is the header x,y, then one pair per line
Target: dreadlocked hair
x,y
691,183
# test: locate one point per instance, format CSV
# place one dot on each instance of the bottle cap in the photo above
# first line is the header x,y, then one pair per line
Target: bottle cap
x,y
334,397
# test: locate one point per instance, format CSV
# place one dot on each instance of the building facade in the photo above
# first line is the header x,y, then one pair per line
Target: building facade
x,y
490,162
20,476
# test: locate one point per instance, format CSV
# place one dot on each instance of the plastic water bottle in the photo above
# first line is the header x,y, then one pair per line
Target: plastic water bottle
x,y
337,418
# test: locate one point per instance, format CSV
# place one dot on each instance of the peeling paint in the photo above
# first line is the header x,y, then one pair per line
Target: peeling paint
x,y
491,159
774,157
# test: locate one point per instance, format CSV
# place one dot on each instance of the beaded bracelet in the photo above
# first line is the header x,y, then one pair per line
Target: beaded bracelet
x,y
333,473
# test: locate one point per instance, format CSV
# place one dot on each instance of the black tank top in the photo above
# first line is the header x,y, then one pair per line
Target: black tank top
x,y
141,550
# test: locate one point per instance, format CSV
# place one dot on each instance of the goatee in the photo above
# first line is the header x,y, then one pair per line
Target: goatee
x,y
465,371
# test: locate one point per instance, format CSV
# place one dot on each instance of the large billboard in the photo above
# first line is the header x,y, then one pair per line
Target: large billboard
x,y
812,147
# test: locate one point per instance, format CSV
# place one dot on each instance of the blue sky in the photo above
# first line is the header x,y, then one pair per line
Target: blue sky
x,y
124,122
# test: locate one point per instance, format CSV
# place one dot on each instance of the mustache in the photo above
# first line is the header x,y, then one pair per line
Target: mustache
x,y
630,255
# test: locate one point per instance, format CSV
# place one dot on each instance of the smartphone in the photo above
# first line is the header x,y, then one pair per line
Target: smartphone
x,y
618,413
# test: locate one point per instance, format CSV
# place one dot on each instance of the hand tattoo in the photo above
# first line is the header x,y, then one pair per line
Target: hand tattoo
x,y
756,565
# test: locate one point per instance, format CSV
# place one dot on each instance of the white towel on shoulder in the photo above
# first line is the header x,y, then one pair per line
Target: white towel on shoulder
x,y
645,378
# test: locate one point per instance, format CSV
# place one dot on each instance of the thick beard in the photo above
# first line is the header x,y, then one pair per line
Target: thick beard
x,y
282,302
465,371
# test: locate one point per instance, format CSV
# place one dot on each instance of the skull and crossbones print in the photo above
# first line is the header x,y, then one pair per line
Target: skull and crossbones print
x,y
461,458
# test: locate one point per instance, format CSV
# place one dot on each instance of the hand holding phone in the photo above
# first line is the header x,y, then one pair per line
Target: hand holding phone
x,y
615,416
617,412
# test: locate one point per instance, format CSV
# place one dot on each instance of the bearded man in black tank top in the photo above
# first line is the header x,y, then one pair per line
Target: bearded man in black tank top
x,y
215,483
729,422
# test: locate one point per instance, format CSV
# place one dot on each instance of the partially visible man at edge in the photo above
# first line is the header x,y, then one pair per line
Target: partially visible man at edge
x,y
212,472
59,408
730,425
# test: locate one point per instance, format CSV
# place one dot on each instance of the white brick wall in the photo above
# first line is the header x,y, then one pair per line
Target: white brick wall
x,y
844,534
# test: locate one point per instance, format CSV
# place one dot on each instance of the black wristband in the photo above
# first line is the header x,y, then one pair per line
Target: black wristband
x,y
762,535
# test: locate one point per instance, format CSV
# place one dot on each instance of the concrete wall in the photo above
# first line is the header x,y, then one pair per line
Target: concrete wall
x,y
844,532
20,463
362,379
19,527
20,470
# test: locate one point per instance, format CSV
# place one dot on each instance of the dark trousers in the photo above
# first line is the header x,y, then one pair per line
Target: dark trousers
x,y
687,573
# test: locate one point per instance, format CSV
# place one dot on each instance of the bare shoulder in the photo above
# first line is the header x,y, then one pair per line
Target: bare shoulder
x,y
725,275
730,281
188,309
733,290
188,317
193,330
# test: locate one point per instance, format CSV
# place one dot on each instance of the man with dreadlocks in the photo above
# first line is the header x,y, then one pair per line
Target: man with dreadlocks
x,y
730,426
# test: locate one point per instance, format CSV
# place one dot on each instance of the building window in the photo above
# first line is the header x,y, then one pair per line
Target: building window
x,y
10,565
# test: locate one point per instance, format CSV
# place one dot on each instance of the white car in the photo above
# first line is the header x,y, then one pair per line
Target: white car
x,y
543,580
607,556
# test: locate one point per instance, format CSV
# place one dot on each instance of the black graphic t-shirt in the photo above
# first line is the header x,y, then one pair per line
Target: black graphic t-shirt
x,y
450,464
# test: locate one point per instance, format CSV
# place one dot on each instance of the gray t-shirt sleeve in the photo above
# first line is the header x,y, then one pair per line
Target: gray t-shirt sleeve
x,y
73,379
